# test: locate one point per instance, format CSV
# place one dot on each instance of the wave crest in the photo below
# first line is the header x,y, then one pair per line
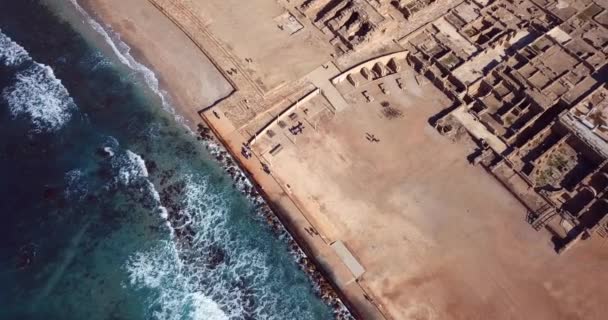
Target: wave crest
x,y
205,261
11,53
161,268
131,168
40,97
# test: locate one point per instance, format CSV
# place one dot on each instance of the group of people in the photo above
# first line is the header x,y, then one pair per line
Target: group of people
x,y
232,71
311,231
371,138
297,129
246,151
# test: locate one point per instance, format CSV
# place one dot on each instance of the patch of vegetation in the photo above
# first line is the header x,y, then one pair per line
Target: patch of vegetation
x,y
544,178
558,161
554,171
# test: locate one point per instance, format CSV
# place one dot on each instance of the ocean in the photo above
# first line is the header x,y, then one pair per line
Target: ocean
x,y
111,208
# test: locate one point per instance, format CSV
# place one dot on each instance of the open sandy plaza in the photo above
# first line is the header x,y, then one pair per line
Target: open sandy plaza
x,y
438,237
394,211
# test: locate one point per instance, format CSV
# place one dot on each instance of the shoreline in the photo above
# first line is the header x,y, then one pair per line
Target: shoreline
x,y
243,181
243,178
420,210
179,75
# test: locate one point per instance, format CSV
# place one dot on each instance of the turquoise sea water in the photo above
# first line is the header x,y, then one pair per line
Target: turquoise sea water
x,y
110,208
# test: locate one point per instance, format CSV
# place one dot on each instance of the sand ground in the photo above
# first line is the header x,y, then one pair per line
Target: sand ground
x,y
250,30
439,238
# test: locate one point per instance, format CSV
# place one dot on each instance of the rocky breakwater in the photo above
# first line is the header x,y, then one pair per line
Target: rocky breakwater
x,y
323,288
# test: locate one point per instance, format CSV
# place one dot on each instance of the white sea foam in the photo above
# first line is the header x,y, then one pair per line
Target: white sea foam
x,y
76,187
151,272
39,96
160,268
11,53
98,60
131,168
153,192
162,211
205,308
132,171
108,151
36,93
202,292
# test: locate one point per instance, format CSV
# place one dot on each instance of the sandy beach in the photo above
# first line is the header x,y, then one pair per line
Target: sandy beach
x,y
184,72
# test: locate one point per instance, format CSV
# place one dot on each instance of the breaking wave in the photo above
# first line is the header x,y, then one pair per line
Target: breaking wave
x,y
40,97
11,53
131,167
36,94
205,271
131,172
178,293
161,269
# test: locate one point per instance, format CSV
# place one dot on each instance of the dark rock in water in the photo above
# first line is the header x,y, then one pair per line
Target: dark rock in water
x,y
165,176
253,193
50,193
248,303
62,203
185,257
185,243
151,166
92,198
104,152
26,256
206,136
217,256
104,173
205,133
247,298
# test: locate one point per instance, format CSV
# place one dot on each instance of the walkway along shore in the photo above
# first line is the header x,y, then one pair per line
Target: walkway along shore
x,y
279,219
322,256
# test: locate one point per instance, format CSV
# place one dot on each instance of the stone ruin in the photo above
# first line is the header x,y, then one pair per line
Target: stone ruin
x,y
408,8
351,23
534,75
